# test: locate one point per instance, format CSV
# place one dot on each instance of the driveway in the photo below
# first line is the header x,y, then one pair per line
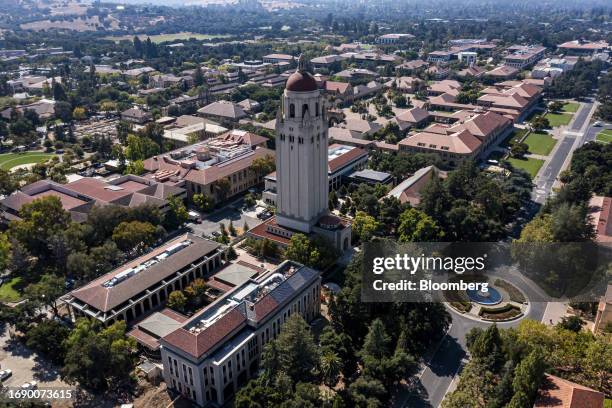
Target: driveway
x,y
435,380
210,223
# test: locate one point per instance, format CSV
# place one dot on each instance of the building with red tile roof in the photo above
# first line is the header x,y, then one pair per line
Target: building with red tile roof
x,y
409,190
462,140
201,166
556,392
218,349
80,196
581,47
142,284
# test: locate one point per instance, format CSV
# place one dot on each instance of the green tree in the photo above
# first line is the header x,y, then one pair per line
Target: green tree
x,y
298,249
5,251
46,291
330,368
366,392
177,300
40,219
98,358
416,226
528,377
47,338
140,148
298,353
364,226
136,167
135,235
177,215
203,202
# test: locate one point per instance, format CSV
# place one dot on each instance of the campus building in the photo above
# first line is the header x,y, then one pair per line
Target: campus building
x,y
143,284
302,180
342,161
79,197
219,168
216,351
463,140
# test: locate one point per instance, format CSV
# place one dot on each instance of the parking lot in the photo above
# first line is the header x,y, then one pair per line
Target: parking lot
x,y
26,365
210,223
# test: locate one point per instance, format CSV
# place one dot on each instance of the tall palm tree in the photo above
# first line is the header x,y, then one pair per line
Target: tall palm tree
x,y
330,368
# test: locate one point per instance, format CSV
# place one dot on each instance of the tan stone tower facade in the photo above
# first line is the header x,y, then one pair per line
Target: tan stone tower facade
x,y
301,153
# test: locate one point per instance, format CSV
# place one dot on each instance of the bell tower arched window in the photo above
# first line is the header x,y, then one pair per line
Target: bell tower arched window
x,y
291,110
317,109
304,110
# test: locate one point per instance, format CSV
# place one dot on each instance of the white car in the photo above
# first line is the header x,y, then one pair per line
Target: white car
x,y
4,374
597,124
31,385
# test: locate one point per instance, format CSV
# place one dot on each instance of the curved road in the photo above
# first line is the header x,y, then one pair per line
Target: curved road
x,y
447,361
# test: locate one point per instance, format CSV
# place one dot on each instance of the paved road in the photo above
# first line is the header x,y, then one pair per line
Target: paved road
x,y
548,175
581,116
448,359
232,212
592,131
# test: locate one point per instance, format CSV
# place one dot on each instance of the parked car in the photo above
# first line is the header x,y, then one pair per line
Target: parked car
x,y
597,124
194,216
30,385
4,374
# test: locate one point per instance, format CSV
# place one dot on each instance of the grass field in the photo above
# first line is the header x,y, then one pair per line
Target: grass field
x,y
515,136
540,143
160,38
531,166
9,292
10,160
605,136
558,119
570,107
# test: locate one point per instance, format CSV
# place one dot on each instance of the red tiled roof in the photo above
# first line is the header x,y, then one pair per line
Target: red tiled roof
x,y
601,215
198,344
559,393
106,298
340,87
261,231
342,160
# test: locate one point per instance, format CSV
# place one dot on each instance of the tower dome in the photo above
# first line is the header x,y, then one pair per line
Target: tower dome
x,y
301,80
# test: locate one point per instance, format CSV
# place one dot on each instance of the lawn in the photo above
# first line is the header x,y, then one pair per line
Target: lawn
x,y
540,143
570,107
10,160
9,292
515,136
605,136
531,166
558,119
160,38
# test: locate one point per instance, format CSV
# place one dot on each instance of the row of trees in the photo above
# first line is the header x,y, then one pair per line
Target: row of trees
x,y
468,205
507,366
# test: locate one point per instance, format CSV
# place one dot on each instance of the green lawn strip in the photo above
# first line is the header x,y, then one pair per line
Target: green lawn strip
x,y
570,107
604,136
9,290
558,119
530,165
540,143
10,160
515,136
